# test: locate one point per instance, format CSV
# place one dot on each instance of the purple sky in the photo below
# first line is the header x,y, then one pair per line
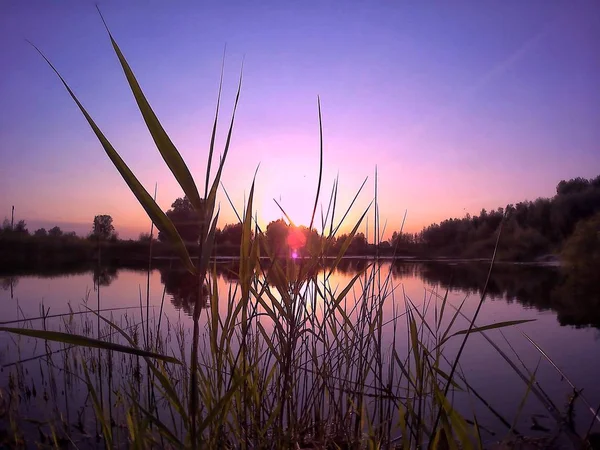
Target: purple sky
x,y
461,105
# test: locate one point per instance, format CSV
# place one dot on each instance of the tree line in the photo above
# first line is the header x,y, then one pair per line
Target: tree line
x,y
530,229
102,229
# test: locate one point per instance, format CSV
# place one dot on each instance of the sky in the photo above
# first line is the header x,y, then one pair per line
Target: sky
x,y
458,105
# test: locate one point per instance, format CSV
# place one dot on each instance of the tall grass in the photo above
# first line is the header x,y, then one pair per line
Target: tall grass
x,y
286,359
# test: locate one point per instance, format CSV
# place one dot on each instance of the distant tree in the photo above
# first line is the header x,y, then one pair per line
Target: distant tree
x,y
41,232
55,232
103,228
145,237
186,219
276,235
72,234
312,246
581,252
385,245
358,246
399,239
231,234
21,227
572,186
6,227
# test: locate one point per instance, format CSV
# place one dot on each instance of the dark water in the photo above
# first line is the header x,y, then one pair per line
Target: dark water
x,y
566,321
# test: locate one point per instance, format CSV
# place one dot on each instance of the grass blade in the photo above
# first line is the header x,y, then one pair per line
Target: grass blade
x,y
157,216
508,323
164,144
83,341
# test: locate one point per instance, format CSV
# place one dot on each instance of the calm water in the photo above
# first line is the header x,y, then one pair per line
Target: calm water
x,y
564,325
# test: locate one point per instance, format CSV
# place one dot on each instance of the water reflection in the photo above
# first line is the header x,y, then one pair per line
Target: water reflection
x,y
9,284
104,276
184,289
574,299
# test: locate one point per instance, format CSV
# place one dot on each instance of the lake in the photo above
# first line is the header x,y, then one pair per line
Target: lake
x,y
563,325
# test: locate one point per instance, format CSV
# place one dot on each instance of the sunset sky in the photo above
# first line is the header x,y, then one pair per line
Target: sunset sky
x,y
460,105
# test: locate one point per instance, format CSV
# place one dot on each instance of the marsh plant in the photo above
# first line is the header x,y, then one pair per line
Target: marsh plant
x,y
283,359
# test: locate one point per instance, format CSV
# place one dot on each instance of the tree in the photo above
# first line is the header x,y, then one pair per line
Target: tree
x,y
21,227
41,232
186,219
581,252
313,241
358,245
55,232
231,235
6,226
277,233
572,186
103,228
145,237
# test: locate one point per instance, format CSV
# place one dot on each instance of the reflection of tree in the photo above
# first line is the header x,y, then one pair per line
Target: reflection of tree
x,y
576,301
350,266
104,276
402,270
9,283
184,289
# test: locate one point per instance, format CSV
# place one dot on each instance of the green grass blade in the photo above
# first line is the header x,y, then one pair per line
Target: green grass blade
x,y
563,375
208,247
292,224
162,428
164,144
320,165
210,200
106,430
348,241
508,323
333,233
165,382
214,130
83,341
157,216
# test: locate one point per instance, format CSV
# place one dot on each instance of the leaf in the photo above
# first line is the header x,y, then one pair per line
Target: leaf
x,y
83,341
508,323
348,241
164,144
214,130
212,195
158,217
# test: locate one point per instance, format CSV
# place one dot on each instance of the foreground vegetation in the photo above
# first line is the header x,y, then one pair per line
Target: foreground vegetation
x,y
282,361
